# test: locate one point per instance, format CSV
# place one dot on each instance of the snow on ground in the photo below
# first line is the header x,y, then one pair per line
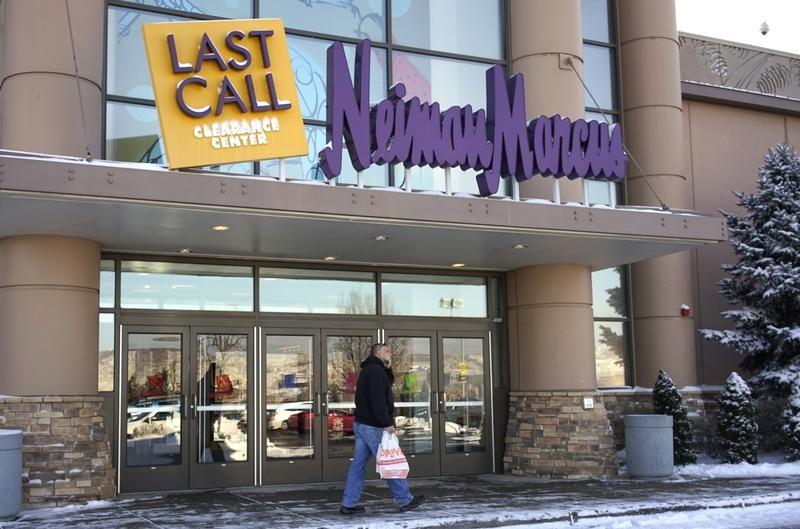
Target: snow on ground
x,y
782,515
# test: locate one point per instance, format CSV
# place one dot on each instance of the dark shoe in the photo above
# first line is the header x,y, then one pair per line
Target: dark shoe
x,y
358,509
415,502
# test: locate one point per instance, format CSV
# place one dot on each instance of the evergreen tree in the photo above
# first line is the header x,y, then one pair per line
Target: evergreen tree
x,y
764,284
667,401
791,423
737,431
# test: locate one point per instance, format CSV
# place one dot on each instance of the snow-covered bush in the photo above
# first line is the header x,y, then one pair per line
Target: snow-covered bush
x,y
667,401
737,431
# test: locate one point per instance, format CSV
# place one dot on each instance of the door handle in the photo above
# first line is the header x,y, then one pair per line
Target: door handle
x,y
184,406
317,404
324,403
442,402
194,406
434,402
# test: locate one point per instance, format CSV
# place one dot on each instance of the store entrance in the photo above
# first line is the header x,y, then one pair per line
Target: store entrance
x,y
185,396
442,408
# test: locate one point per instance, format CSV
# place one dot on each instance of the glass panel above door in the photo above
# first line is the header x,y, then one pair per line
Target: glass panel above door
x,y
423,295
186,286
316,291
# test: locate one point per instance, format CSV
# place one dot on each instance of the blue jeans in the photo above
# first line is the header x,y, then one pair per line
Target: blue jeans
x,y
367,440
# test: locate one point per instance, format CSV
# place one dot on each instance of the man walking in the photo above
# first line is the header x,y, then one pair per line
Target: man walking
x,y
374,415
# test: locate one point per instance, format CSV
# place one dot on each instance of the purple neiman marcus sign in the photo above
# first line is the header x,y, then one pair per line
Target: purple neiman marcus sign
x,y
497,141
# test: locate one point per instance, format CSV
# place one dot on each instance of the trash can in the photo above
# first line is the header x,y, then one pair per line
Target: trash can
x,y
648,445
10,473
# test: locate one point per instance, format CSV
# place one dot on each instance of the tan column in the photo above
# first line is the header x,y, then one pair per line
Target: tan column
x,y
48,315
544,34
550,327
39,96
652,117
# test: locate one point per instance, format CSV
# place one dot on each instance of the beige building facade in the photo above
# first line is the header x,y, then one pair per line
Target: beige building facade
x,y
232,306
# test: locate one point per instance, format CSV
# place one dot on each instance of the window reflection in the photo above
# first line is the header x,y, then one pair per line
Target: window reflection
x,y
599,74
224,8
132,134
594,18
449,82
466,27
411,364
611,353
153,390
106,283
344,357
127,73
361,19
105,346
609,299
317,291
222,387
419,295
465,408
289,379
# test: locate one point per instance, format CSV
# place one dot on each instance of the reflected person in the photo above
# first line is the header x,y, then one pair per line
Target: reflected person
x,y
374,415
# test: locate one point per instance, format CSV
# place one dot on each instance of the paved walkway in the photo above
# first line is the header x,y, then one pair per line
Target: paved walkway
x,y
465,502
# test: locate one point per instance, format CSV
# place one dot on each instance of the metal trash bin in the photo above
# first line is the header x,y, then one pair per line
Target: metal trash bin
x,y
648,445
10,473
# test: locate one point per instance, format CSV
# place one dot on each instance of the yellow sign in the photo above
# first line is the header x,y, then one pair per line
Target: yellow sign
x,y
224,91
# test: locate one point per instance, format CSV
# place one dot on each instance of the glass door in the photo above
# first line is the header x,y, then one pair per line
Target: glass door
x,y
464,408
220,405
292,401
343,352
415,375
442,414
184,404
153,446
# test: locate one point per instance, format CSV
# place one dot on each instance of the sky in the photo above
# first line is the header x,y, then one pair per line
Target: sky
x,y
740,21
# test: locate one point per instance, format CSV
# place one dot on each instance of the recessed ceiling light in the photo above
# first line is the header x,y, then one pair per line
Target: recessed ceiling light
x,y
220,227
381,237
520,246
457,265
330,258
185,250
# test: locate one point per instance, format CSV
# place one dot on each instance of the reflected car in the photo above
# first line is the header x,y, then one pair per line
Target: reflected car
x,y
279,418
338,421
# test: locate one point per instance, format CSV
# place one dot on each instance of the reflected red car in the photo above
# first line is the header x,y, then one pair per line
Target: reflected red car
x,y
338,421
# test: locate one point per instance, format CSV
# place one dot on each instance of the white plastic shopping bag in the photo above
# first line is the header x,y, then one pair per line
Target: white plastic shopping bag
x,y
391,463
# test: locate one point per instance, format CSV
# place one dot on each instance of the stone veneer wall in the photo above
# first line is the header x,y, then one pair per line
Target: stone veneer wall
x,y
702,405
549,434
66,457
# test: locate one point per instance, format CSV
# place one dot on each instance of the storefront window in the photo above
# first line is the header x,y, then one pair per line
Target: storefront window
x,y
422,295
594,15
316,291
465,27
358,19
309,59
132,134
182,286
105,367
598,73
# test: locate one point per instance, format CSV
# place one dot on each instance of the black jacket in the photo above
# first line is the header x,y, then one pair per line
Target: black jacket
x,y
374,399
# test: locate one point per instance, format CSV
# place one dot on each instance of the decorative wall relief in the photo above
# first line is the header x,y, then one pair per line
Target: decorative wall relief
x,y
725,64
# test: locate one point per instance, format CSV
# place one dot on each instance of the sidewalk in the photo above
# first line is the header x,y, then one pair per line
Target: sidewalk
x,y
463,501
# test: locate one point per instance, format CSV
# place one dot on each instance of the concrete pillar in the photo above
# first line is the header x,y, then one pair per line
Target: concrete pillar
x,y
49,288
652,117
39,96
544,33
551,330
